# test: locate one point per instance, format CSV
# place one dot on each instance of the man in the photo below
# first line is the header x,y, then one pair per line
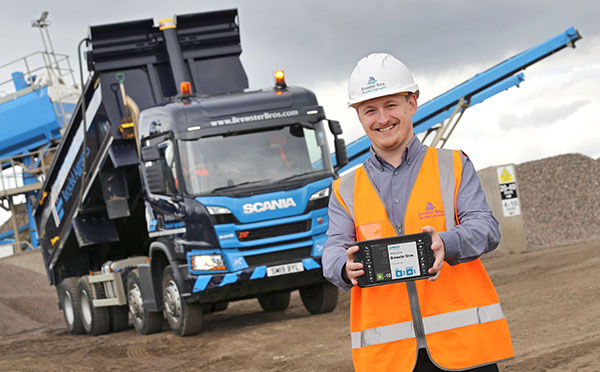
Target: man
x,y
452,321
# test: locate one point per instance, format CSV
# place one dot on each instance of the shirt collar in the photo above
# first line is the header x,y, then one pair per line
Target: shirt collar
x,y
408,154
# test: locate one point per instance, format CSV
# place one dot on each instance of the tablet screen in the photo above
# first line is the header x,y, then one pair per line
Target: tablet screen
x,y
396,261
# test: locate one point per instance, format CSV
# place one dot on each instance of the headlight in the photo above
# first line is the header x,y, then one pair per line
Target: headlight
x,y
217,210
320,194
208,262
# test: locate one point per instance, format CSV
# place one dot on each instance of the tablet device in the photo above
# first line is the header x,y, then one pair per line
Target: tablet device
x,y
396,259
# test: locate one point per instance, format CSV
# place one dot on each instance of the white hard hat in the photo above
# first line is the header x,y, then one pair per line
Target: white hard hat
x,y
377,75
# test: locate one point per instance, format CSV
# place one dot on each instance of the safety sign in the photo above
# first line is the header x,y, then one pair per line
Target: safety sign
x,y
507,182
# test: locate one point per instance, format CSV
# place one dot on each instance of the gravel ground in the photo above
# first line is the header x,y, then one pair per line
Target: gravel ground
x,y
549,297
560,199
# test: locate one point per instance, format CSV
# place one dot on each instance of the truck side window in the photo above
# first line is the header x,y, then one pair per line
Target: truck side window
x,y
167,161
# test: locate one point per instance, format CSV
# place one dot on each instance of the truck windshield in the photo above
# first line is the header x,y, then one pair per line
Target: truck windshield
x,y
219,163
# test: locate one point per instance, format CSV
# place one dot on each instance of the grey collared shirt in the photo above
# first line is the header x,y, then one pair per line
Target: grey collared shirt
x,y
477,233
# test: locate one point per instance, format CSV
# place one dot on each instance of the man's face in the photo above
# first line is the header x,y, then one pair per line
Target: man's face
x,y
387,121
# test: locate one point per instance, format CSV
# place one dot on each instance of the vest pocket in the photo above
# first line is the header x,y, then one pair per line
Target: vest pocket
x,y
369,231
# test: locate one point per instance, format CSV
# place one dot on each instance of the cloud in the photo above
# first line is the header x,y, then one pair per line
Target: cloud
x,y
540,116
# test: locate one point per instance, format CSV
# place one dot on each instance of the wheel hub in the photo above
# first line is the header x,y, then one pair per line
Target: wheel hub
x,y
136,303
68,306
86,310
172,301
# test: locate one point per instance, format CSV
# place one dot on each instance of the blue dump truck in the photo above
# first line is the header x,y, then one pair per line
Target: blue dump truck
x,y
177,190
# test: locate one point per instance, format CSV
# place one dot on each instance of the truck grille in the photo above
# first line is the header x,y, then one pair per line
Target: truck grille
x,y
271,231
280,256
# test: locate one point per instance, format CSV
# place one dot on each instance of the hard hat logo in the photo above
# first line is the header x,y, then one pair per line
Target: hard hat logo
x,y
393,77
372,86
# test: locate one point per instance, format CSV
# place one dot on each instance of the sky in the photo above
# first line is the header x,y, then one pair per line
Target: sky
x,y
317,43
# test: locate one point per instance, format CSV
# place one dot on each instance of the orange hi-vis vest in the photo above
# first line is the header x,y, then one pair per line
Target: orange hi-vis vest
x,y
457,318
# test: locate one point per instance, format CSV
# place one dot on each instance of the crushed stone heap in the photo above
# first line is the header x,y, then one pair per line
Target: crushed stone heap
x,y
560,200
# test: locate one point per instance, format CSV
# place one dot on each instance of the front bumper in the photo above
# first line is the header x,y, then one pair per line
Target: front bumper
x,y
249,283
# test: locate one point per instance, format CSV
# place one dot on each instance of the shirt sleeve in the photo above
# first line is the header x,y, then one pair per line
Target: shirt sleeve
x,y
478,232
340,236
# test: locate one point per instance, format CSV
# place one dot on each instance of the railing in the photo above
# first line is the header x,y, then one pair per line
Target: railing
x,y
54,64
19,175
15,170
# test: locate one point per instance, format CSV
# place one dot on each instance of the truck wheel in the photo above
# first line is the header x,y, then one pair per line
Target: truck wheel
x,y
271,302
96,320
119,318
144,322
184,318
319,298
69,299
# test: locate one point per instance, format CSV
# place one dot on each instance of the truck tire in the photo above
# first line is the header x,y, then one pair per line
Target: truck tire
x,y
184,318
272,302
69,299
119,318
319,298
96,320
145,322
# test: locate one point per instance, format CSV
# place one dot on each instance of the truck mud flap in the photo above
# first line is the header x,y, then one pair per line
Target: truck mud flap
x,y
149,295
94,229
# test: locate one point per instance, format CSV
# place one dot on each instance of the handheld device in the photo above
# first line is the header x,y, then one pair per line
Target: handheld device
x,y
396,259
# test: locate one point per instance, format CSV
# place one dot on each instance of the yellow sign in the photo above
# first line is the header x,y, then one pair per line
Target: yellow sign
x,y
505,176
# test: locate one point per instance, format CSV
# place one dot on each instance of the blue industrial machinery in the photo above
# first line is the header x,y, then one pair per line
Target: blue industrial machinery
x,y
441,114
35,104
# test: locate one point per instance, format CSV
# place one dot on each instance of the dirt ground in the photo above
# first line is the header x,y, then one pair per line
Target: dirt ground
x,y
550,297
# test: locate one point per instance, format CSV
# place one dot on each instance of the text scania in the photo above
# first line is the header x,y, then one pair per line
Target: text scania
x,y
256,117
269,205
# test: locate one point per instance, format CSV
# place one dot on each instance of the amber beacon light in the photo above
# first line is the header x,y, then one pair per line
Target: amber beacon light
x,y
280,79
185,88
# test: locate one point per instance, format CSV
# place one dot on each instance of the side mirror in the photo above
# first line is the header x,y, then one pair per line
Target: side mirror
x,y
341,155
334,127
155,177
150,153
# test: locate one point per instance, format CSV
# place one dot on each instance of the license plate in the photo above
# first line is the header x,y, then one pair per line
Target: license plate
x,y
295,267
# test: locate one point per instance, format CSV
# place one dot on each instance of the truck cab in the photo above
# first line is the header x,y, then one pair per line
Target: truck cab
x,y
237,193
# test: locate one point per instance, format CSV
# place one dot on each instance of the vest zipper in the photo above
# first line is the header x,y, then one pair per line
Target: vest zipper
x,y
415,310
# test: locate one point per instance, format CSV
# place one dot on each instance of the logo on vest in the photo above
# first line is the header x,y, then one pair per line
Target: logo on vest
x,y
431,211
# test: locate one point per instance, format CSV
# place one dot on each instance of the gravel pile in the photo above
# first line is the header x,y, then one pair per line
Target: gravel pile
x,y
560,200
27,302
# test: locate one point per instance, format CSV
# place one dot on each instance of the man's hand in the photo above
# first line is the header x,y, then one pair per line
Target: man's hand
x,y
439,251
352,269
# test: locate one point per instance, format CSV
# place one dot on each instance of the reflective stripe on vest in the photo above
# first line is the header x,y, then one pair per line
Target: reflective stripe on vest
x,y
446,166
346,190
434,323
